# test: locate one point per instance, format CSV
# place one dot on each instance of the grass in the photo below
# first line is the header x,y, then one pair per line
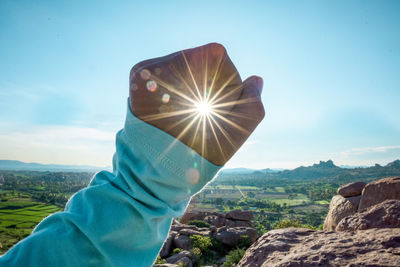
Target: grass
x,y
18,218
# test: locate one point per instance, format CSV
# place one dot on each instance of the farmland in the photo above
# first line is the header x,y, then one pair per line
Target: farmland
x,y
300,196
18,218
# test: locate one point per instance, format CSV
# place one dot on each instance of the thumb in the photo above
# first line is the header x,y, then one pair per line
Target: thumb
x,y
249,104
253,86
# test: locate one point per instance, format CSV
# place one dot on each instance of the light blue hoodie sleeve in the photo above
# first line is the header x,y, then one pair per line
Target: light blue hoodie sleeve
x,y
122,218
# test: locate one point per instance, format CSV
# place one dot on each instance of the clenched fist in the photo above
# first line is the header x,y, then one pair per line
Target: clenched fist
x,y
197,96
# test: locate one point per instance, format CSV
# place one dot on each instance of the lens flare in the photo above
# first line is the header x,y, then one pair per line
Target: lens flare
x,y
204,108
151,86
165,98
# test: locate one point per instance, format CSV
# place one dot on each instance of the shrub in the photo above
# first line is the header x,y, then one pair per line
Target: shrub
x,y
201,242
199,223
288,223
218,246
233,257
159,260
196,252
176,251
244,242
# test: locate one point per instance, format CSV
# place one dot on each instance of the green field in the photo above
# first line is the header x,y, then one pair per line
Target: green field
x,y
18,217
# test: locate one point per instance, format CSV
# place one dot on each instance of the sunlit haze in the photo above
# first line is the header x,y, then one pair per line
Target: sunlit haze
x,y
331,75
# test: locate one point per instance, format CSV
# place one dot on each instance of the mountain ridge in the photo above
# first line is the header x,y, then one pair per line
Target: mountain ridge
x,y
16,165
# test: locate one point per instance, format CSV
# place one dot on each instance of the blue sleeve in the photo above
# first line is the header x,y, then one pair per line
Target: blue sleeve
x,y
122,218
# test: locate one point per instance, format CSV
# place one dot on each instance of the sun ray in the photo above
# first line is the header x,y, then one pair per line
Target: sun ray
x,y
173,90
203,143
165,115
232,91
187,127
215,76
191,74
216,138
236,114
205,79
180,121
181,79
236,102
237,126
195,133
227,136
223,87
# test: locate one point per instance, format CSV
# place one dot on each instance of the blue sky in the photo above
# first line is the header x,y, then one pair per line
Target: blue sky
x,y
331,74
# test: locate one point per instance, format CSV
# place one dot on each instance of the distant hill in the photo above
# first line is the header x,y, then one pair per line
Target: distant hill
x,y
15,165
324,170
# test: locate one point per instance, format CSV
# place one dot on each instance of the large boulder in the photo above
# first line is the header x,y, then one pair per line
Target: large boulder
x,y
175,259
340,208
240,215
351,189
382,215
166,249
304,247
379,191
238,223
231,236
182,241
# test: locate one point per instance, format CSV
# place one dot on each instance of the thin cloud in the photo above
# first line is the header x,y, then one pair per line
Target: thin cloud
x,y
59,144
369,150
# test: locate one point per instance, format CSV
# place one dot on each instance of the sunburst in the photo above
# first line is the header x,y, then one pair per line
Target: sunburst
x,y
206,107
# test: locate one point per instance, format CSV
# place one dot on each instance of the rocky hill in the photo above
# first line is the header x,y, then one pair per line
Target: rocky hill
x,y
325,171
361,229
214,236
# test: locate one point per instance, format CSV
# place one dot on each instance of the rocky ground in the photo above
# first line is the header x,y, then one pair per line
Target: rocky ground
x,y
228,229
362,228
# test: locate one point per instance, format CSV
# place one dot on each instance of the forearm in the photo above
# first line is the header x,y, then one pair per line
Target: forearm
x,y
121,218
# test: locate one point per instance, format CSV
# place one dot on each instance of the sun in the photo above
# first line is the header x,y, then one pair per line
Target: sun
x,y
204,108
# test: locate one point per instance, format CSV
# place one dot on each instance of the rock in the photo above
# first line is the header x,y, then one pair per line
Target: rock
x,y
165,265
175,258
200,231
166,249
378,191
221,261
351,189
186,262
182,241
238,223
230,223
178,228
230,236
340,208
243,224
213,218
240,215
382,215
304,247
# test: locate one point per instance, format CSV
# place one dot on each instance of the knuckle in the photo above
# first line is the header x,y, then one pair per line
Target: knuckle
x,y
217,47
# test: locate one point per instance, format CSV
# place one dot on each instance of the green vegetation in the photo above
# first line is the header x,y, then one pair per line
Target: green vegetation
x,y
233,257
28,197
159,260
199,223
177,251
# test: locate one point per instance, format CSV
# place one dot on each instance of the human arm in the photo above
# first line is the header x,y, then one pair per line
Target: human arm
x,y
122,218
161,160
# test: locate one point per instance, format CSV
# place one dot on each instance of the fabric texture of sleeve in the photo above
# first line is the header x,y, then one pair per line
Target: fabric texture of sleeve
x,y
122,218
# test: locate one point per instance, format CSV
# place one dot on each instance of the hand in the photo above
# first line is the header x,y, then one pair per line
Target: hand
x,y
197,96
